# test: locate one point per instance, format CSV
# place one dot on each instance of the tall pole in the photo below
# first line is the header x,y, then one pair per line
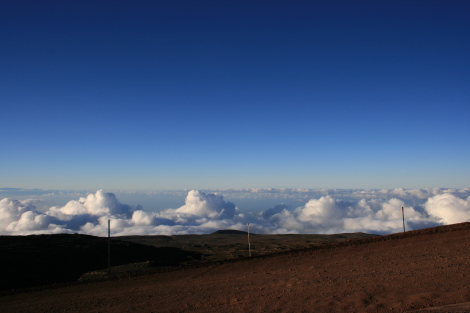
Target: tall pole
x,y
109,249
249,245
403,214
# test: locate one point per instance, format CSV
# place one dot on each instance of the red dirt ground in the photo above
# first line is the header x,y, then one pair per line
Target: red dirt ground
x,y
396,273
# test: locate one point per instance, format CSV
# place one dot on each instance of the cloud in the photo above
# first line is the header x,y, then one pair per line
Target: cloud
x,y
415,196
277,209
208,212
207,205
329,215
101,203
22,216
322,210
12,210
448,208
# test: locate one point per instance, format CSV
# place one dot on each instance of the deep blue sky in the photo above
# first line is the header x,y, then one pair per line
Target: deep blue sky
x,y
234,94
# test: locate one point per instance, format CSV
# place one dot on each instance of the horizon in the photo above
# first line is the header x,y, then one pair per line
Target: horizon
x,y
269,211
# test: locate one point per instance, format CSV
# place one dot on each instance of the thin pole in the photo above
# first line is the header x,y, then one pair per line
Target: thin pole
x,y
249,245
109,249
403,214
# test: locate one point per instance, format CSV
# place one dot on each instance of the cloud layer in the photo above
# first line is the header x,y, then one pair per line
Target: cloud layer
x,y
368,211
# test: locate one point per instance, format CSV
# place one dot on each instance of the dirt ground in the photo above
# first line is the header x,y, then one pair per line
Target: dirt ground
x,y
417,271
232,244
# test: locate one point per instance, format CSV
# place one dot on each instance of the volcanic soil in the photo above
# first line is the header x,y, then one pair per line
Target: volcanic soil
x,y
424,270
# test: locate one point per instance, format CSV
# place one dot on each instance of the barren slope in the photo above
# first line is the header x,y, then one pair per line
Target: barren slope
x,y
420,269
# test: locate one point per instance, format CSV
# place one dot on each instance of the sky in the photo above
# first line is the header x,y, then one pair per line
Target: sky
x,y
196,95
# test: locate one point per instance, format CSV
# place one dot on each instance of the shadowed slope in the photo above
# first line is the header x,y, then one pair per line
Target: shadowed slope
x,y
46,259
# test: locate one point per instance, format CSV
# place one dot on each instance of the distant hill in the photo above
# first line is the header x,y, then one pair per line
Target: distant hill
x,y
231,232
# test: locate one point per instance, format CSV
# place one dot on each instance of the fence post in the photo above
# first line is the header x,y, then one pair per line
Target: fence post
x,y
403,214
109,249
249,245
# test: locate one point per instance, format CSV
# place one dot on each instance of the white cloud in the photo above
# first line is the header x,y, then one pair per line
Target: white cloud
x,y
207,205
12,210
377,211
328,215
101,203
322,210
22,217
448,208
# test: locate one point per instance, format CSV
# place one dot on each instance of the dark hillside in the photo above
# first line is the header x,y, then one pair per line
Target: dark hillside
x,y
46,259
